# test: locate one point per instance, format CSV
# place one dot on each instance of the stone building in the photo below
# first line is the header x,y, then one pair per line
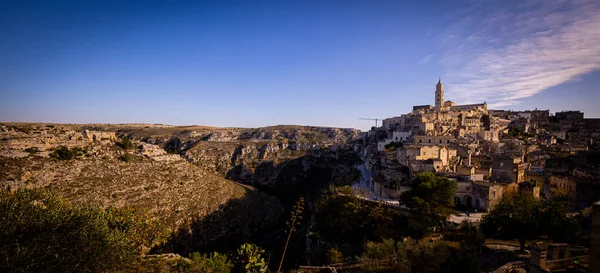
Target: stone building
x,y
434,140
428,165
557,258
561,185
508,169
439,95
486,195
417,152
464,194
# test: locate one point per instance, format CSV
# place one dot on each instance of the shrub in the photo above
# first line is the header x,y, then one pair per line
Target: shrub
x,y
125,143
32,150
125,157
62,153
40,232
249,259
213,263
335,256
140,230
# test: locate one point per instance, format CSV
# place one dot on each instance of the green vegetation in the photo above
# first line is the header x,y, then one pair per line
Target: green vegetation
x,y
249,259
40,232
347,223
126,157
32,150
431,195
335,256
125,143
515,217
213,263
462,254
64,153
522,216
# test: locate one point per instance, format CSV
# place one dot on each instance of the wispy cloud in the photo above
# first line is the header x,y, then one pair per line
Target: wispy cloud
x,y
504,53
426,59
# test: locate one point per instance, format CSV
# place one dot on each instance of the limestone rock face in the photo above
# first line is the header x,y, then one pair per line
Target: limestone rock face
x,y
165,185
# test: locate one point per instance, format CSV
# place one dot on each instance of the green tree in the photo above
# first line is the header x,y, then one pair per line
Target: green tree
x,y
516,216
557,225
40,232
431,195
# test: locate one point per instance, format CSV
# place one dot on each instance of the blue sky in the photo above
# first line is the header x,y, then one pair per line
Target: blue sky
x,y
258,63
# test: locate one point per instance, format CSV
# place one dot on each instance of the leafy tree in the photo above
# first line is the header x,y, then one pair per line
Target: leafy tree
x,y
557,225
349,222
250,260
40,232
515,216
431,195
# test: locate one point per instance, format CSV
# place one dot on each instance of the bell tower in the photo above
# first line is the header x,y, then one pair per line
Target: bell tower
x,y
439,95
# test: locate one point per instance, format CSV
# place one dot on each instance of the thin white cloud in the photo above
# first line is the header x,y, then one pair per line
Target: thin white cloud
x,y
502,54
426,59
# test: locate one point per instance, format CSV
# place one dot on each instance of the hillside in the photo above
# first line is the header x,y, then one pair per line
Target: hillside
x,y
199,181
166,186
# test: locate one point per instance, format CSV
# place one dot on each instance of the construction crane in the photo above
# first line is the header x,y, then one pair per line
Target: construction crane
x,y
375,119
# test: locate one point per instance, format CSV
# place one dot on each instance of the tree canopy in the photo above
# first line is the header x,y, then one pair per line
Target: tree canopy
x,y
431,194
521,216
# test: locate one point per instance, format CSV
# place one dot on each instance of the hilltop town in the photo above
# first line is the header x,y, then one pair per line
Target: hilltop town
x,y
208,189
489,152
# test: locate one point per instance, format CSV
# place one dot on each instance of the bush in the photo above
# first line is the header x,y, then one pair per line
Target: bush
x,y
249,259
40,232
62,153
125,143
335,256
213,263
32,150
125,157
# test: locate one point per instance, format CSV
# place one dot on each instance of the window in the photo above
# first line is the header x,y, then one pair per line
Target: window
x,y
420,141
440,141
447,141
430,140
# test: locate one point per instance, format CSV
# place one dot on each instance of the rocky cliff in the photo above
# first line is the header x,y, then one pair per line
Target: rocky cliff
x,y
138,175
184,176
286,161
